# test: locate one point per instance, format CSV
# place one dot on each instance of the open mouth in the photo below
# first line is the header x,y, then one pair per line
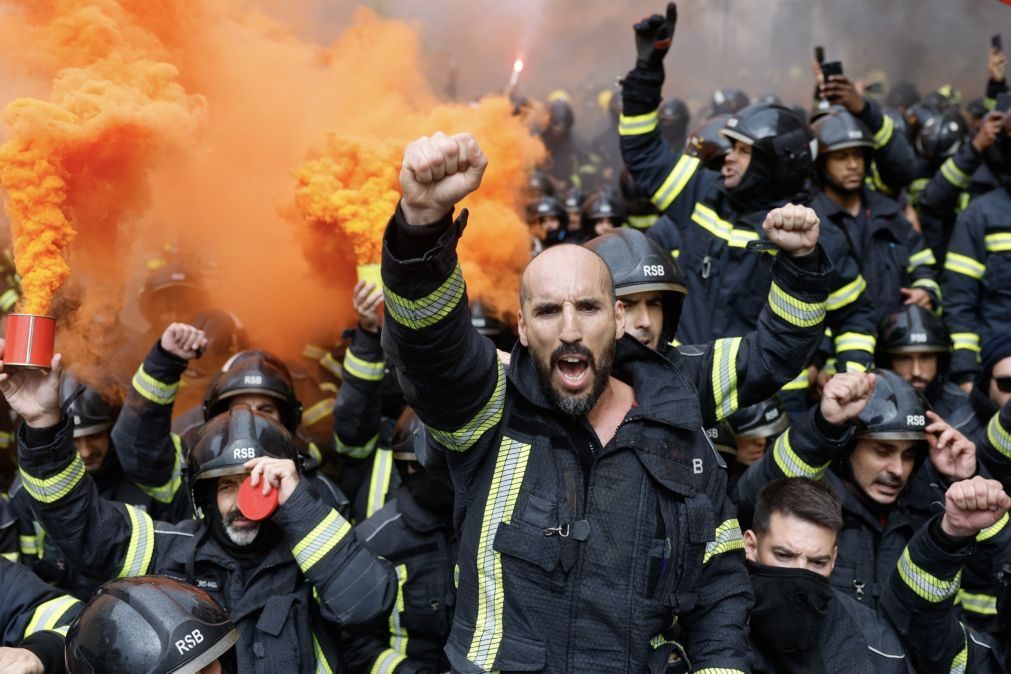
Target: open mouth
x,y
573,370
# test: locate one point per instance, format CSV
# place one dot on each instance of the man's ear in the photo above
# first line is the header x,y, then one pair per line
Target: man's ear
x,y
835,553
750,546
522,326
619,320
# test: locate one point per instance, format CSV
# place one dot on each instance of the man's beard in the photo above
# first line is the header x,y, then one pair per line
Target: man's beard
x,y
572,405
240,536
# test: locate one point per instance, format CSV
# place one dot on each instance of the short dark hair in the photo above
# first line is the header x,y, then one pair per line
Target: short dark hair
x,y
801,497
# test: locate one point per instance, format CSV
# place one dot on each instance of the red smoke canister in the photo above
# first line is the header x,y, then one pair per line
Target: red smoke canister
x,y
253,504
30,340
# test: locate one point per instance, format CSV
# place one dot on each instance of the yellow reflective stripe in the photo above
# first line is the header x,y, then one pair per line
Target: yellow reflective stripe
x,y
960,661
313,352
798,383
965,265
510,467
11,556
791,464
980,604
793,310
724,376
330,364
637,125
847,294
642,221
166,492
430,309
356,452
8,300
317,412
6,439
707,218
379,481
321,540
993,529
954,175
852,366
924,257
965,340
141,547
675,253
999,436
487,418
52,489
928,284
48,615
855,341
154,390
884,134
322,666
719,670
363,369
998,243
675,182
398,634
728,538
925,585
29,545
387,662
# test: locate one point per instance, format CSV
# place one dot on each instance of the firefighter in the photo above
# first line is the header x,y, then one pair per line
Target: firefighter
x,y
33,622
719,215
153,456
291,581
415,532
568,164
800,622
552,220
708,144
977,286
674,120
894,260
920,597
756,427
914,344
602,212
990,395
151,624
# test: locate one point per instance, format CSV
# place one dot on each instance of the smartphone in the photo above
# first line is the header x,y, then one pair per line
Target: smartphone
x,y
1003,103
996,42
831,68
819,54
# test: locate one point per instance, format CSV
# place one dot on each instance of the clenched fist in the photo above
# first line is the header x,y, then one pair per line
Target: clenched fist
x,y
184,341
794,229
437,173
846,395
973,505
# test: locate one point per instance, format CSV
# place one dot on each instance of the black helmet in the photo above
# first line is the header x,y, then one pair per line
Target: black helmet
x,y
170,279
839,130
724,441
769,99
917,115
638,264
728,101
254,371
148,624
549,207
898,121
913,329
896,411
539,185
92,411
561,116
782,136
902,95
708,144
572,201
600,205
763,420
674,118
941,136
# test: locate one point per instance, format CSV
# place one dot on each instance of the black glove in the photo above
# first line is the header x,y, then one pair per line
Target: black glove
x,y
653,37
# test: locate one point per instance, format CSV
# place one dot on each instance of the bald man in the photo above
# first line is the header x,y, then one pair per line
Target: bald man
x,y
591,509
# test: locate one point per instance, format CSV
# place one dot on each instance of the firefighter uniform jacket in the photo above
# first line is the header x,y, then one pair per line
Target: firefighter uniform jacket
x,y
422,548
890,253
576,557
977,287
9,548
726,281
993,445
287,608
362,435
33,615
152,455
868,547
919,599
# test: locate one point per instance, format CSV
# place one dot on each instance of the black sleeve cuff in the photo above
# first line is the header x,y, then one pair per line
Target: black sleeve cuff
x,y
834,432
49,648
809,263
413,241
950,544
42,437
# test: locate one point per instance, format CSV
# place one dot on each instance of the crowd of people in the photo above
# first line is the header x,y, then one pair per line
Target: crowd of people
x,y
754,415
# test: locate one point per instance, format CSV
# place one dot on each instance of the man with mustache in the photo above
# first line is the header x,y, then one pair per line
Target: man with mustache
x,y
866,438
591,508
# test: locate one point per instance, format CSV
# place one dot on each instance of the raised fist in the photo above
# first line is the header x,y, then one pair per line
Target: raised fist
x,y
184,341
846,395
973,505
437,173
794,229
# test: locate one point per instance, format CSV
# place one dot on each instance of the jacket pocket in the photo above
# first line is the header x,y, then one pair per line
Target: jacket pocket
x,y
515,654
280,630
529,554
698,529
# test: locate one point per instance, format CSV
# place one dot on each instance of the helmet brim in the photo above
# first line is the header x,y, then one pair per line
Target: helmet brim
x,y
733,134
210,655
893,435
649,288
766,430
847,145
919,348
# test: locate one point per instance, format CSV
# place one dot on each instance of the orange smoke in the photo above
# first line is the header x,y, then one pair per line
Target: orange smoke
x,y
210,127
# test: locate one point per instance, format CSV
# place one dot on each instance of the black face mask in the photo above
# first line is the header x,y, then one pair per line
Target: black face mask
x,y
789,612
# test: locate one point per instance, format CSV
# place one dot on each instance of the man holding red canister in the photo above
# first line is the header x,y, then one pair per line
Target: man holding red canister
x,y
290,582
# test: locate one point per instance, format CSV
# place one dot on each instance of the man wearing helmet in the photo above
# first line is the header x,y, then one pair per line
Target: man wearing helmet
x,y
719,216
290,586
